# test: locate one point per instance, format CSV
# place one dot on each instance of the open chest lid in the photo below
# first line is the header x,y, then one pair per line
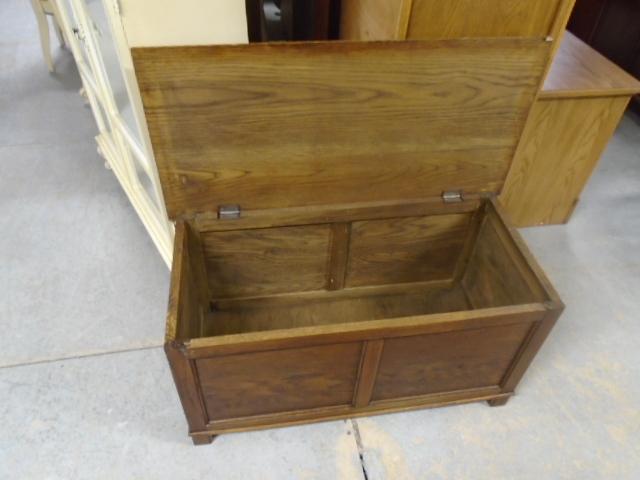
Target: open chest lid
x,y
266,126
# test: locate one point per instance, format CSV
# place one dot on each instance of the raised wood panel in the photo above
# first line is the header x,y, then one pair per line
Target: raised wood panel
x,y
406,249
269,126
279,381
266,261
481,18
446,362
560,147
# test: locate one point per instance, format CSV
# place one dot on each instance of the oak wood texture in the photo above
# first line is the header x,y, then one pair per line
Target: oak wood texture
x,y
446,362
342,412
367,20
558,29
434,19
337,213
183,318
295,125
481,18
492,278
405,250
279,381
582,101
189,295
370,20
368,372
329,333
252,262
285,358
560,148
523,259
578,70
263,314
339,255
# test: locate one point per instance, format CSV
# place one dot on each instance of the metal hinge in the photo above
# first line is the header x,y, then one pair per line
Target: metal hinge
x,y
226,212
452,196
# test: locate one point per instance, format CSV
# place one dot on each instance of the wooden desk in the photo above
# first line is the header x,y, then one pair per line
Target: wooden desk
x,y
577,112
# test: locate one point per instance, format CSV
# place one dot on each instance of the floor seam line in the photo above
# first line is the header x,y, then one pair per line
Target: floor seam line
x,y
45,144
76,357
360,447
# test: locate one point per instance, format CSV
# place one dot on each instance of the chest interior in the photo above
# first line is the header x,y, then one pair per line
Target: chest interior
x,y
430,258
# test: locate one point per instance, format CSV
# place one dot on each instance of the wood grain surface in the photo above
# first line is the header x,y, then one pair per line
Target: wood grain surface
x,y
406,250
357,331
188,297
560,147
368,372
437,19
579,71
368,20
266,261
481,18
264,314
279,381
298,417
446,362
283,125
491,278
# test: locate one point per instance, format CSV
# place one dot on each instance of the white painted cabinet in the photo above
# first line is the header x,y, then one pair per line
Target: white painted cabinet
x,y
101,33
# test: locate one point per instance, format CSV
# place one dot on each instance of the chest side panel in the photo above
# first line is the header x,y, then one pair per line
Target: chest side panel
x,y
425,364
279,381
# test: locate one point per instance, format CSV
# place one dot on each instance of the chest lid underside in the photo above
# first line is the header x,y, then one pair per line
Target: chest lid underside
x,y
269,126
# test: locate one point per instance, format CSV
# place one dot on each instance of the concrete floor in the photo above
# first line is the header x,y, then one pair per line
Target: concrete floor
x,y
85,391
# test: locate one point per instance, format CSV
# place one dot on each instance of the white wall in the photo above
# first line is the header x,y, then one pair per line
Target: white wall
x,y
183,22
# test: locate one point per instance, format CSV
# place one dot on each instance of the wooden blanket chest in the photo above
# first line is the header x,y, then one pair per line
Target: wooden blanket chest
x,y
339,251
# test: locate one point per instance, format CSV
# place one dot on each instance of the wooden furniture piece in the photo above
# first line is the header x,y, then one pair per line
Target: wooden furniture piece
x,y
338,248
43,9
612,27
437,19
582,101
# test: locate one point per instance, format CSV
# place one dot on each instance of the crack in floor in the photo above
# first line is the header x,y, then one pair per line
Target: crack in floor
x,y
356,434
28,363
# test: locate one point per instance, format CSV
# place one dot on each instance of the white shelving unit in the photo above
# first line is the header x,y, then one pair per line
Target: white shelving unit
x,y
99,34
